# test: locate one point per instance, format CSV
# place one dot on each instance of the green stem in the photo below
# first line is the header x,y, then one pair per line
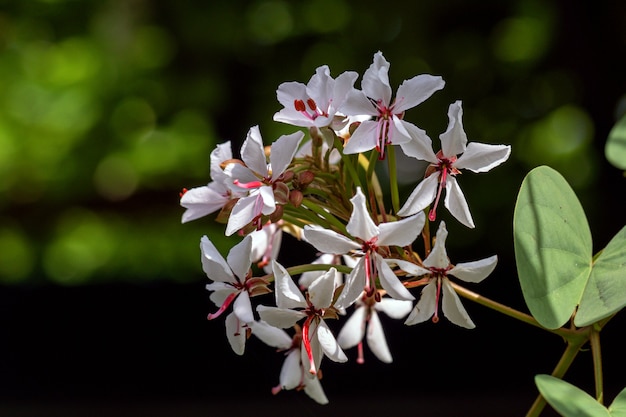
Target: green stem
x,y
299,269
594,339
325,215
393,178
347,163
573,347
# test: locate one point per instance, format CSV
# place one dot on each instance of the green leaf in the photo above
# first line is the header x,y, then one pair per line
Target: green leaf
x,y
615,148
568,400
618,407
553,247
605,292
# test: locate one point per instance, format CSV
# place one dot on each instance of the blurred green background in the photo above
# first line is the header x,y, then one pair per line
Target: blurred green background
x,y
109,108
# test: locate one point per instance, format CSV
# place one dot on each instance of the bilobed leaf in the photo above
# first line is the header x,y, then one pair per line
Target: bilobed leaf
x,y
568,400
618,407
605,292
553,246
615,148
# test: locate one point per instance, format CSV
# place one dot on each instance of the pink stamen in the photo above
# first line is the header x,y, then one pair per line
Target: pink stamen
x,y
276,389
360,359
442,183
307,344
224,306
248,185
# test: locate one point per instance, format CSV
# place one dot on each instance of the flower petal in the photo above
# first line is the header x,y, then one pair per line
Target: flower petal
x,y
243,308
213,264
456,204
438,256
452,307
353,330
420,146
454,139
279,317
408,267
239,258
425,307
375,83
321,290
363,138
376,339
202,201
283,151
481,157
402,232
361,224
253,153
390,281
221,153
329,344
355,283
291,371
421,197
235,334
396,309
328,241
474,271
313,388
415,90
270,335
287,293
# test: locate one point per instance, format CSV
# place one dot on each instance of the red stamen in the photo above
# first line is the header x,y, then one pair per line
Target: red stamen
x,y
299,105
312,104
248,185
360,359
436,315
442,183
223,307
182,193
307,344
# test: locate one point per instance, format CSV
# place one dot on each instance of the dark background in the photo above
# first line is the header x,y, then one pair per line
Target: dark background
x,y
102,304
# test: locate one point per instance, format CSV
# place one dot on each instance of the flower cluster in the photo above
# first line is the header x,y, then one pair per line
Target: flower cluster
x,y
320,185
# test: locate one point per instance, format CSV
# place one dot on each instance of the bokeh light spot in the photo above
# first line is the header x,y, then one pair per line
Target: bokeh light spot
x,y
270,21
115,178
16,255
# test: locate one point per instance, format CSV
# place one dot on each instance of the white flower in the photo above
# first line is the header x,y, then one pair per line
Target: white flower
x,y
370,237
202,201
365,316
292,306
257,178
231,284
437,267
266,245
446,164
292,373
387,126
314,104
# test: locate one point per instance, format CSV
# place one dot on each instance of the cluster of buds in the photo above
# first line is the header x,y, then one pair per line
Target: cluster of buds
x,y
323,189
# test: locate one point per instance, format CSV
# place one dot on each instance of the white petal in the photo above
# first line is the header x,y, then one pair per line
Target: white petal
x,y
355,283
375,83
474,271
235,334
408,267
309,276
221,153
243,308
363,138
353,330
279,317
415,90
253,153
244,210
361,224
456,204
289,91
420,146
322,289
438,256
219,295
283,151
396,309
291,371
344,83
357,104
481,157
454,139
287,293
267,195
425,307
421,197
201,201
452,307
390,281
328,241
239,258
316,352
313,388
398,134
402,232
329,344
270,335
243,174
213,264
376,339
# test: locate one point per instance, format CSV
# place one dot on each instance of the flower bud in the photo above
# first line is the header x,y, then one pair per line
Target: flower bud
x,y
296,197
305,178
281,193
